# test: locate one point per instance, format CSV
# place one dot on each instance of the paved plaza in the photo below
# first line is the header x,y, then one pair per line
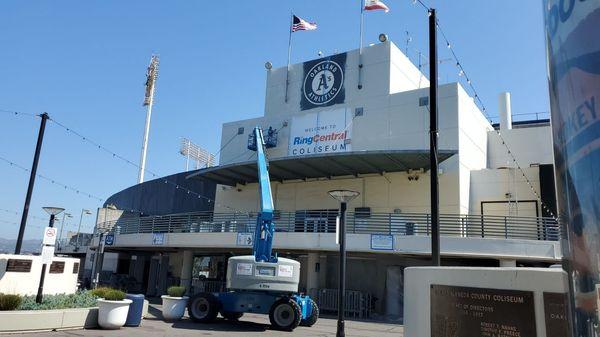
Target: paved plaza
x,y
250,325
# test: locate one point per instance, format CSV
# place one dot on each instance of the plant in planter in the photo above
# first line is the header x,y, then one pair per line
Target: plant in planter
x,y
112,309
173,304
9,302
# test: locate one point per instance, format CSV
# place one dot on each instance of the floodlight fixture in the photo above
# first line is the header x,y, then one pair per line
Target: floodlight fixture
x,y
383,37
268,65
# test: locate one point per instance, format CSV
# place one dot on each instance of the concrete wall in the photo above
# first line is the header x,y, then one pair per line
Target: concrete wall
x,y
418,281
494,184
530,145
26,283
527,250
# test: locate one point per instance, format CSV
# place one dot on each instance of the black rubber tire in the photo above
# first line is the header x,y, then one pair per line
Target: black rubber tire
x,y
281,310
232,316
203,308
314,315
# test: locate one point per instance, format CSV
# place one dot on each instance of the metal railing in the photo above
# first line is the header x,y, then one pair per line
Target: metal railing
x,y
407,224
357,304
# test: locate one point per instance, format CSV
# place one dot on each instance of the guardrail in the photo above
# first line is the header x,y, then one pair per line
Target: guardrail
x,y
484,226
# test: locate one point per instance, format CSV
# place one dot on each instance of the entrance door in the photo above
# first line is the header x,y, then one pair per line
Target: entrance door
x,y
394,284
153,276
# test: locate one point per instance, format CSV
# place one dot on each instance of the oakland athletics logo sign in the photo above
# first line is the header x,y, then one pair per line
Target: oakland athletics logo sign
x,y
323,82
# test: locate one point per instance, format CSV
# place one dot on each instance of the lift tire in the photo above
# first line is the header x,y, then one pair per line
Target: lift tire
x,y
232,316
285,314
314,315
203,308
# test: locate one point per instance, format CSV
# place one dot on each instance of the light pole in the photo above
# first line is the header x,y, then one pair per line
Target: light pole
x,y
83,211
343,196
53,211
62,225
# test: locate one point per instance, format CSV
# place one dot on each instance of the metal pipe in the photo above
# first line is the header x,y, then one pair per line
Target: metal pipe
x,y
39,297
36,159
342,286
433,139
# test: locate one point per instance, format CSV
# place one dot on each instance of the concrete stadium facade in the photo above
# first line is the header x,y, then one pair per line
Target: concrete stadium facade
x,y
374,140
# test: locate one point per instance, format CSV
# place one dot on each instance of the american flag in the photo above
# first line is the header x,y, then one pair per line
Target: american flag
x,y
301,24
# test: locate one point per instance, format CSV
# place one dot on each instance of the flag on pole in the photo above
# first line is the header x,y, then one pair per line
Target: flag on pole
x,y
301,24
372,5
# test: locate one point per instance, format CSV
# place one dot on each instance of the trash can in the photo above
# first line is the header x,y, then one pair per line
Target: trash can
x,y
134,316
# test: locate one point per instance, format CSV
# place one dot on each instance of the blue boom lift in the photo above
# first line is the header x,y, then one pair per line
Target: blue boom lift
x,y
260,283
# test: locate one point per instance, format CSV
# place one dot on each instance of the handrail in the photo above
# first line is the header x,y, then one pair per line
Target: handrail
x,y
461,225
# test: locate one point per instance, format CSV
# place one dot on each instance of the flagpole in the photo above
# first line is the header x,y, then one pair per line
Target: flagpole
x,y
360,46
287,73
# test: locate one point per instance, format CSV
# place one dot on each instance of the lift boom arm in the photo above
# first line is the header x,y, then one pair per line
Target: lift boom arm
x,y
265,228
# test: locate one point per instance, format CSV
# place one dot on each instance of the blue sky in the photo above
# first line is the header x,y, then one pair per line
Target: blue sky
x,y
84,63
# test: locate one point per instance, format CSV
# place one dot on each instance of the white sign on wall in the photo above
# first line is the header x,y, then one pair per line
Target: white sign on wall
x,y
49,236
245,239
47,254
320,132
382,242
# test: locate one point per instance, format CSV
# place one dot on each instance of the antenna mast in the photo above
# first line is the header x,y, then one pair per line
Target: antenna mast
x,y
151,76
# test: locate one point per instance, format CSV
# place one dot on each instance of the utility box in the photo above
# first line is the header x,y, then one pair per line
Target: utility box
x,y
244,273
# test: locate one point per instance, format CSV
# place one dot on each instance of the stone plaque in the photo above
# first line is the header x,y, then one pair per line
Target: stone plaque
x,y
18,265
57,267
556,315
481,312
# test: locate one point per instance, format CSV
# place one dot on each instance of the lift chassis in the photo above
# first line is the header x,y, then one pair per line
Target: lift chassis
x,y
261,283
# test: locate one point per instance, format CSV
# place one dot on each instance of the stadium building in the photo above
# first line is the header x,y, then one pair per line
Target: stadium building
x,y
181,229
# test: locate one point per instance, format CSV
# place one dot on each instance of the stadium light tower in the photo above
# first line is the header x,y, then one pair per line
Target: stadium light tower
x,y
151,76
192,151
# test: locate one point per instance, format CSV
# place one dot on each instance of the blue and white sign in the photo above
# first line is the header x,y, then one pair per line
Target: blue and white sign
x,y
109,239
328,131
158,239
245,239
323,83
382,242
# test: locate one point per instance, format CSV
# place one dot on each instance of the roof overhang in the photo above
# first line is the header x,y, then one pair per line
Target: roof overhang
x,y
323,166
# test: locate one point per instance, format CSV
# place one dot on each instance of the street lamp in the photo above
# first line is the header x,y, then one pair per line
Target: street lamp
x,y
83,211
65,215
343,196
53,211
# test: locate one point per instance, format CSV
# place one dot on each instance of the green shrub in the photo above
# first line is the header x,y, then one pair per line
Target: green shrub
x,y
176,291
100,291
114,295
9,302
80,299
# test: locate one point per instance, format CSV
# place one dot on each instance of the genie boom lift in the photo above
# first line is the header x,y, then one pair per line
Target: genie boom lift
x,y
260,283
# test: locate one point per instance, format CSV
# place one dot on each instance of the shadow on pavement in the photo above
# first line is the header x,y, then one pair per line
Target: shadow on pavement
x,y
221,325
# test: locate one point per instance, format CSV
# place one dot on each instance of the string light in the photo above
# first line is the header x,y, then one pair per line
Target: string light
x,y
483,108
53,181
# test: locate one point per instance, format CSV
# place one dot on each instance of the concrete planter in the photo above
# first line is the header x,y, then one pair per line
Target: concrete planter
x,y
35,320
112,314
173,308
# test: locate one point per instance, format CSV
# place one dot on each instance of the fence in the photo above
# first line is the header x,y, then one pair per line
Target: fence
x,y
357,304
488,226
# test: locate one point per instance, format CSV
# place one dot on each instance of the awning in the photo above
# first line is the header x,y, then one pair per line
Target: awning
x,y
323,166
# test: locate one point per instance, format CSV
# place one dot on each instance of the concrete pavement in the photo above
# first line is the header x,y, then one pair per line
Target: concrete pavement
x,y
250,325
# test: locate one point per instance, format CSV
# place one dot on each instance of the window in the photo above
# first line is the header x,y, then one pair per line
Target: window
x,y
240,131
75,267
358,112
423,101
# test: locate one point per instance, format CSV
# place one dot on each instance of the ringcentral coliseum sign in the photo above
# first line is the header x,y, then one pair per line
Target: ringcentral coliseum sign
x,y
320,132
